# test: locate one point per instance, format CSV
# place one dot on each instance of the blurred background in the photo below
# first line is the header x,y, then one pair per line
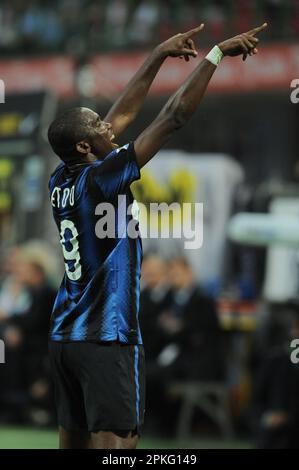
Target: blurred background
x,y
217,322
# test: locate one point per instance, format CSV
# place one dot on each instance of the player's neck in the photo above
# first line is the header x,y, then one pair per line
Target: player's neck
x,y
89,158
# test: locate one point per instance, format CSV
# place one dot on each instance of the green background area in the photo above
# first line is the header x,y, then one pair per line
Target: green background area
x,y
30,438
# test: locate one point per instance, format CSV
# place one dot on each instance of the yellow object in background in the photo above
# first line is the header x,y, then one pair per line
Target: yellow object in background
x,y
6,171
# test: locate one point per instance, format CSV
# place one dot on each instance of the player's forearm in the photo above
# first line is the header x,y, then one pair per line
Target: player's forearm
x,y
174,114
125,109
186,100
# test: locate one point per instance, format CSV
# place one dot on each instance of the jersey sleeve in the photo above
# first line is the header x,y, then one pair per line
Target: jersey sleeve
x,y
54,176
115,174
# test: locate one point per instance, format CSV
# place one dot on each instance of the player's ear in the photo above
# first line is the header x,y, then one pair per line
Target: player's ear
x,y
83,147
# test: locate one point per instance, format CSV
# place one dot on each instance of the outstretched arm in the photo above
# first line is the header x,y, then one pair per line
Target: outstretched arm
x,y
182,105
126,108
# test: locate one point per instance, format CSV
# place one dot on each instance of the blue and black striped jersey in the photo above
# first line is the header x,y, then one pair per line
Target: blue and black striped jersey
x,y
98,299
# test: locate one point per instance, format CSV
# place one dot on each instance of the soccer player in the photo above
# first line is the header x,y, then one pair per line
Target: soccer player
x,y
95,345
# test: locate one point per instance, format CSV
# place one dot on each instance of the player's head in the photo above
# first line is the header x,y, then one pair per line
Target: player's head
x,y
79,133
180,273
154,270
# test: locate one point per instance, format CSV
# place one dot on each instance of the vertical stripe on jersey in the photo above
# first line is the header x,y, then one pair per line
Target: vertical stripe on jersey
x,y
136,364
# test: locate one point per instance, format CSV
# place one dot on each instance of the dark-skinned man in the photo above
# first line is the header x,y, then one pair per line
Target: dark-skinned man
x,y
95,341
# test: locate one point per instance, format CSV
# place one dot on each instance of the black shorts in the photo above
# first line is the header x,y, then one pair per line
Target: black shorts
x,y
98,386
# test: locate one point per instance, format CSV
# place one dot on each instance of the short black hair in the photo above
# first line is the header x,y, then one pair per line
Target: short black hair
x,y
67,129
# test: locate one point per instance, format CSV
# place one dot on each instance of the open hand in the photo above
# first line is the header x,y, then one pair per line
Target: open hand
x,y
180,45
245,43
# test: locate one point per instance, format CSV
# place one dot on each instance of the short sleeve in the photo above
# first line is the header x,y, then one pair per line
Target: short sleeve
x,y
115,174
54,176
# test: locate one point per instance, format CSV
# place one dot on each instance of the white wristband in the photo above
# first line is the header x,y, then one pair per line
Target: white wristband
x,y
215,56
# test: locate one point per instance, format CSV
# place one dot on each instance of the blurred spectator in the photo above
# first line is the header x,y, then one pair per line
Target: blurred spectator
x,y
145,18
90,25
31,23
95,16
243,15
51,34
275,399
14,297
184,331
8,32
295,18
154,299
33,326
167,22
24,377
188,15
275,12
191,324
116,17
215,18
271,332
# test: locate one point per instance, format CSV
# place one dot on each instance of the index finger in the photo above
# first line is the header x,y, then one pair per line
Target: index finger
x,y
193,31
254,31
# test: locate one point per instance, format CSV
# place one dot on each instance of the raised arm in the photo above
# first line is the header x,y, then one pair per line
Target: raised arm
x,y
182,104
126,108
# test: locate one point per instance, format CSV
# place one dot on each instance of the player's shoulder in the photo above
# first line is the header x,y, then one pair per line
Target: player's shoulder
x,y
56,174
58,169
118,158
125,149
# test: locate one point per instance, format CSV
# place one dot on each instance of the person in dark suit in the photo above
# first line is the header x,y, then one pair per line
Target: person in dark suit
x,y
154,299
275,405
186,335
24,377
191,325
